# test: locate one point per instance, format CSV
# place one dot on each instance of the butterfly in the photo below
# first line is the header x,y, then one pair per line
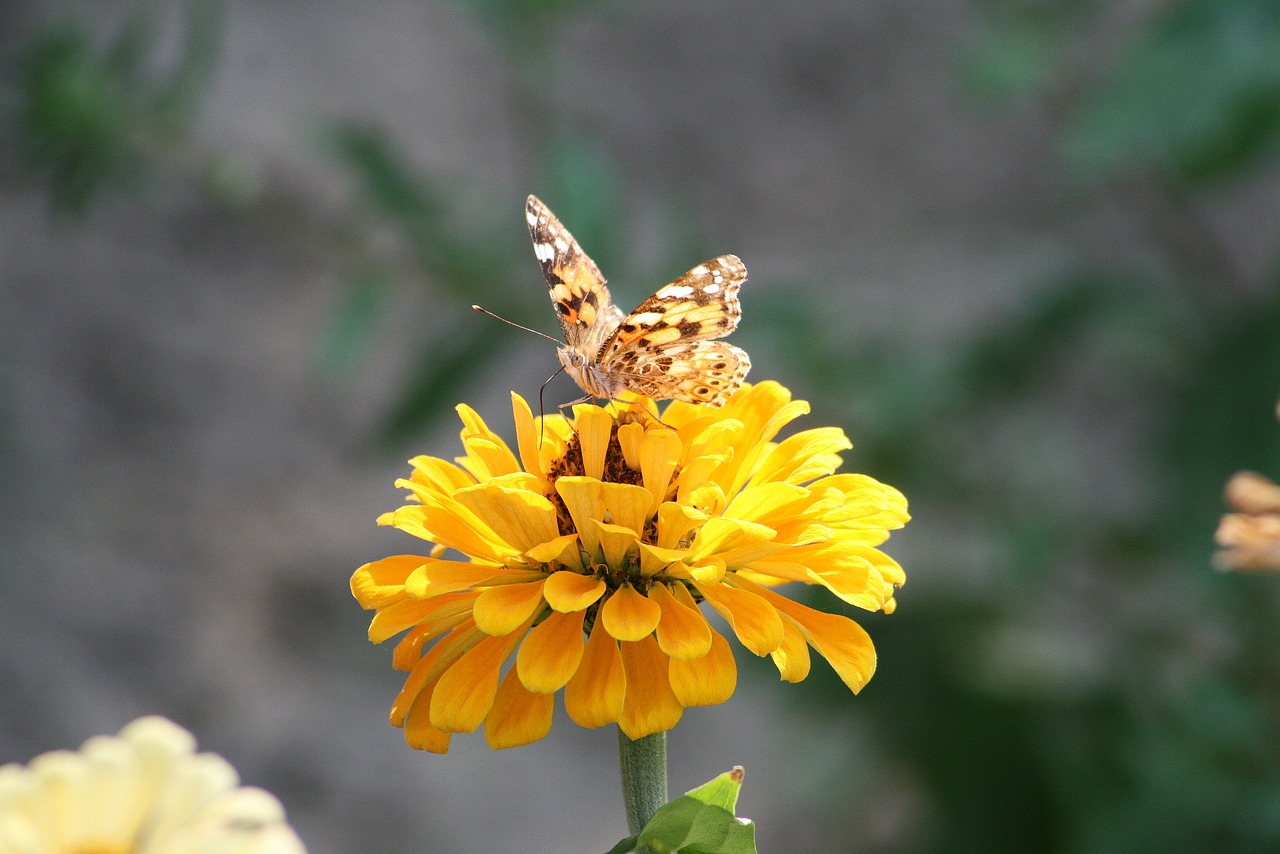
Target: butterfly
x,y
666,348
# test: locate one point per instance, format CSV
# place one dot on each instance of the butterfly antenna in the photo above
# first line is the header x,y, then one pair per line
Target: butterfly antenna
x,y
555,341
542,409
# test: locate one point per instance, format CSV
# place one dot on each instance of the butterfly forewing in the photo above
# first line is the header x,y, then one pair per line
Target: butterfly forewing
x,y
663,349
582,302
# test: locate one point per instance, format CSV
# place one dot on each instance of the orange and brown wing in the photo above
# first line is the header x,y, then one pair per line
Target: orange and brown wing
x,y
583,306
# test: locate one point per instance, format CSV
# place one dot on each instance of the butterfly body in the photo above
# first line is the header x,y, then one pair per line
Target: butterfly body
x,y
666,348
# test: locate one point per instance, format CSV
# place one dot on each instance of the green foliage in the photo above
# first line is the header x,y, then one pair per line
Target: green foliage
x,y
89,118
702,821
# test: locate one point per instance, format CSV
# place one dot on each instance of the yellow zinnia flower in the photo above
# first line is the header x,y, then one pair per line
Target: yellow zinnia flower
x,y
143,792
590,549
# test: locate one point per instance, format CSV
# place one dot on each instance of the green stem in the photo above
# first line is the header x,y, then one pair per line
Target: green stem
x,y
644,777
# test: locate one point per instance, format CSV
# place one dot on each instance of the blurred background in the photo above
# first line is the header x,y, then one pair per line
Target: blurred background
x,y
1023,251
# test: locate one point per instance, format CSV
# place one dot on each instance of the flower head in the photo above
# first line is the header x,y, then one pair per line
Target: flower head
x,y
142,792
591,549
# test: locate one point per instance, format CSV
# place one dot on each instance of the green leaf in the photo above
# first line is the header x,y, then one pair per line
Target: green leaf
x,y
624,846
702,821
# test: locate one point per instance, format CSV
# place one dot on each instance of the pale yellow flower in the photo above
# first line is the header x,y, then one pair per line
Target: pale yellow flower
x,y
144,791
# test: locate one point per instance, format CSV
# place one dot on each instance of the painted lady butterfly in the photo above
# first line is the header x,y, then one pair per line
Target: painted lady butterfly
x,y
663,349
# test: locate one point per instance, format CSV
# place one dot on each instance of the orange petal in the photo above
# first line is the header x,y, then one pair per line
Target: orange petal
x,y
706,681
683,632
438,615
753,619
649,705
465,692
551,652
675,521
839,640
629,615
594,695
569,591
519,716
437,576
382,582
792,658
499,610
616,543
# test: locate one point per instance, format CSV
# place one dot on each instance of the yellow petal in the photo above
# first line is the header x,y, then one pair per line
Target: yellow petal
x,y
440,519
617,542
766,502
698,472
551,652
564,550
465,692
675,523
683,632
654,560
707,498
839,640
594,426
439,614
627,505
520,518
584,499
595,694
436,577
499,610
519,716
569,591
649,705
527,439
412,704
803,456
720,534
792,658
630,437
706,681
437,475
629,615
754,620
486,458
659,456
381,582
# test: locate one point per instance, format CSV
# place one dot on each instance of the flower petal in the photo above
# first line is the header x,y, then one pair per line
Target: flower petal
x,y
519,716
792,658
438,615
659,456
569,591
551,652
630,438
628,505
720,534
675,522
440,519
564,550
464,695
499,610
527,439
629,615
709,680
618,544
595,694
437,576
381,582
584,499
595,428
839,640
649,705
754,620
523,519
683,632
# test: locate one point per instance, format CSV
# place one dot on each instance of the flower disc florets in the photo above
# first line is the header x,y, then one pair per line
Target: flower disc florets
x,y
593,550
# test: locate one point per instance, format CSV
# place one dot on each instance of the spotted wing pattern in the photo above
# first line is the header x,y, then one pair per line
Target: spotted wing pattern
x,y
666,348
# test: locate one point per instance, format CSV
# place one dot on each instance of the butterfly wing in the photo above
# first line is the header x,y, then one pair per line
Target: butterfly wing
x,y
704,372
700,305
666,347
583,306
